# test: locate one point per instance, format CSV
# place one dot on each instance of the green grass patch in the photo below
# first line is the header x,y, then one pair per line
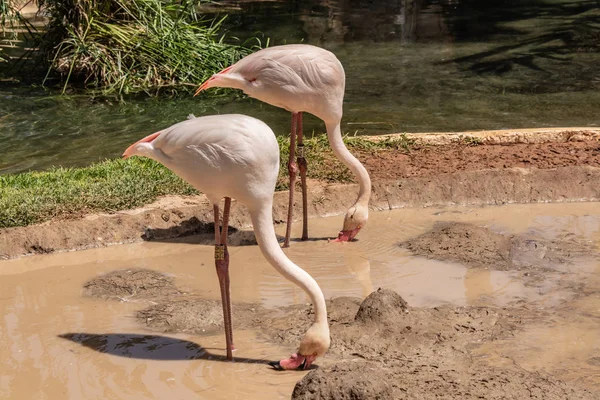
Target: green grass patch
x,y
107,186
115,185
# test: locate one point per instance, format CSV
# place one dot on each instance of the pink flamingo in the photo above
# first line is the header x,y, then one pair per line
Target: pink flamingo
x,y
237,156
302,78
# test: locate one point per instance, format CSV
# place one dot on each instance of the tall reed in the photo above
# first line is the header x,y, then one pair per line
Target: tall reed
x,y
125,46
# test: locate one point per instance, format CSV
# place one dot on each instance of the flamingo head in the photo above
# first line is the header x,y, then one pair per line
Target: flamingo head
x,y
224,79
142,147
314,344
355,219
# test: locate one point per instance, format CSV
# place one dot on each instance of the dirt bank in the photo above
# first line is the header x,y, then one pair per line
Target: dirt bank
x,y
455,173
427,160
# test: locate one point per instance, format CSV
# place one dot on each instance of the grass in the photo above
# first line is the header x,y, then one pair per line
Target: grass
x,y
114,185
469,140
323,165
107,186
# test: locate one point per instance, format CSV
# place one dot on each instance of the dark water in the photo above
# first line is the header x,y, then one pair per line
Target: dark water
x,y
411,66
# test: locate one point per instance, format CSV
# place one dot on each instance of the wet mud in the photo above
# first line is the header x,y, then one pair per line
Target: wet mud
x,y
481,247
383,348
195,315
130,284
410,379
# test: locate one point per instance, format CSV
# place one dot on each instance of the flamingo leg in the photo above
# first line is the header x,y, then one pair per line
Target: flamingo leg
x,y
293,170
303,166
222,266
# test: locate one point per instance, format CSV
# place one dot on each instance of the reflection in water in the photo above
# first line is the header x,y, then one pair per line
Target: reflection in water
x,y
411,65
478,285
361,269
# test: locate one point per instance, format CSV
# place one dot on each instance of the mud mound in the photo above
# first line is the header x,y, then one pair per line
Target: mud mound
x,y
479,247
366,380
130,284
391,351
383,305
276,325
356,381
464,243
194,315
382,324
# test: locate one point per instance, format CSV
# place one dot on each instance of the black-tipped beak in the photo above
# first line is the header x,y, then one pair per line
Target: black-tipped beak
x,y
302,366
276,365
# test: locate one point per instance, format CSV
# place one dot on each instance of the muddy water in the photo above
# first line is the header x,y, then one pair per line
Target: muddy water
x,y
45,318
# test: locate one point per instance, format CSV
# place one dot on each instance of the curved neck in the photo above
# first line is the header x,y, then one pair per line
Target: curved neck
x,y
334,134
262,220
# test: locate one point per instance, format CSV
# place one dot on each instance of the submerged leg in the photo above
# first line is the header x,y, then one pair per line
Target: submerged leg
x,y
292,169
303,166
222,266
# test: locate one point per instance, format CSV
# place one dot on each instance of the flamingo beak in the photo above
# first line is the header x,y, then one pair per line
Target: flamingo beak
x,y
205,85
127,153
347,236
130,150
296,362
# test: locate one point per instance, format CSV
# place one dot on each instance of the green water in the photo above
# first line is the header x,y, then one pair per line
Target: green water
x,y
411,66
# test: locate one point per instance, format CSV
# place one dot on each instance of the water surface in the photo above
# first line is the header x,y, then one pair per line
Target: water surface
x,y
411,66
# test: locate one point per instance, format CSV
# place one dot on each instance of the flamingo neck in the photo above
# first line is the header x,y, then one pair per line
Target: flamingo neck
x,y
262,220
334,134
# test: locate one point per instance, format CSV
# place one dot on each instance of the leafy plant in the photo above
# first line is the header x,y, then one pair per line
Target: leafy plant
x,y
125,46
10,18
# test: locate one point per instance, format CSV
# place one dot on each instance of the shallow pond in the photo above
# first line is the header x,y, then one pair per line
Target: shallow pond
x,y
412,65
110,355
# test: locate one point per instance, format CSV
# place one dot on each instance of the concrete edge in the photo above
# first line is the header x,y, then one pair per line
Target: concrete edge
x,y
507,136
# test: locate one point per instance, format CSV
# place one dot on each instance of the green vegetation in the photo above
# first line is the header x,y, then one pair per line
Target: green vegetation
x,y
127,46
468,140
107,186
10,18
322,163
114,185
132,45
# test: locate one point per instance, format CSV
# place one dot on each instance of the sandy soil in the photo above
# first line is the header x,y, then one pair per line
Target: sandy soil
x,y
455,173
434,160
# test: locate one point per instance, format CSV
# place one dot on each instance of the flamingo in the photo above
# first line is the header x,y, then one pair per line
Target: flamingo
x,y
302,78
236,156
